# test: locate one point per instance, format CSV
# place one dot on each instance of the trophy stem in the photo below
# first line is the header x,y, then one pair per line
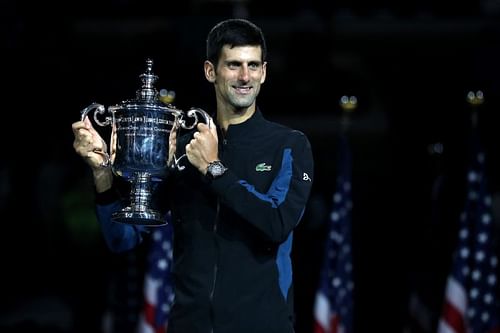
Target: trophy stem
x,y
139,212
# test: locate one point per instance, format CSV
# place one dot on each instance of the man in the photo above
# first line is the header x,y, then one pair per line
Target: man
x,y
234,208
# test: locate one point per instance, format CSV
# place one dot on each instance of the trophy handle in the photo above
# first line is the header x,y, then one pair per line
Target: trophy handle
x,y
192,113
99,108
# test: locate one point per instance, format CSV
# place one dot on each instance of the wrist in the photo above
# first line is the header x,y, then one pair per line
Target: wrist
x,y
215,169
103,179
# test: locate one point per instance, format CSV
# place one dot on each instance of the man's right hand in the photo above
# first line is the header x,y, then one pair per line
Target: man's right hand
x,y
93,149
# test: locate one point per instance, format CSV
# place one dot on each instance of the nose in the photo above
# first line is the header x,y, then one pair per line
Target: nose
x,y
244,73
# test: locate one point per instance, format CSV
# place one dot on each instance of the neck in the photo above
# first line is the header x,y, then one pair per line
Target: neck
x,y
226,117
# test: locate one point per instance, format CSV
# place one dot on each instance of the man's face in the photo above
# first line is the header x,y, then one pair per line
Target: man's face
x,y
239,75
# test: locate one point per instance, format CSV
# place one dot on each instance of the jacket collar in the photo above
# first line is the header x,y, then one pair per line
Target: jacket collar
x,y
246,127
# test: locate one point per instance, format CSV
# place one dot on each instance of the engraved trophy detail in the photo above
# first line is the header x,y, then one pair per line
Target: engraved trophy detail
x,y
142,127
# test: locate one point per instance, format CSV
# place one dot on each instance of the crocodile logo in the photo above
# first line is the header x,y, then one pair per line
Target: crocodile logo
x,y
262,167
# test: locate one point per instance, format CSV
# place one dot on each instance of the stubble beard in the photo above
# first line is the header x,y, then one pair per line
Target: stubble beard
x,y
241,103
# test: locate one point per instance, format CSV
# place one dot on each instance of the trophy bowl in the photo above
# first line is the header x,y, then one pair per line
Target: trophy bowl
x,y
141,128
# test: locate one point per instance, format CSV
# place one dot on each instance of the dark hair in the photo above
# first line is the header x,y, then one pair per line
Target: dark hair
x,y
234,32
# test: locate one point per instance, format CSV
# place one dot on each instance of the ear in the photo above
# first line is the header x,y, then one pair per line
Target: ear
x,y
209,69
264,72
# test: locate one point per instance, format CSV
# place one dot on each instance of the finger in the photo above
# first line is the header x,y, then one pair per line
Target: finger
x,y
213,128
77,126
83,146
90,127
175,125
173,128
87,122
192,143
83,137
202,127
80,148
173,134
100,146
113,140
93,131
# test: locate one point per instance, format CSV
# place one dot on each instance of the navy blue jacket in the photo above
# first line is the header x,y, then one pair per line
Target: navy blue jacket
x,y
233,235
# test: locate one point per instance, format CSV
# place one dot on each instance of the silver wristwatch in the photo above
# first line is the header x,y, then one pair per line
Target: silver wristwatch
x,y
215,169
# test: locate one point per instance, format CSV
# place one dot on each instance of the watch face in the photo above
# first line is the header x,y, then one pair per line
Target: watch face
x,y
216,169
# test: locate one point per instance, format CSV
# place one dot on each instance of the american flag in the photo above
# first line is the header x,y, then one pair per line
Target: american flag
x,y
333,304
158,286
471,302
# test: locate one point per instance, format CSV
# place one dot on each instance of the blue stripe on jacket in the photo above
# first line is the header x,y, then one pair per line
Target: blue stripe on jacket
x,y
276,195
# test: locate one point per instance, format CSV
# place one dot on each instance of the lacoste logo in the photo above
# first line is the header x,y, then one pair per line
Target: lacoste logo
x,y
262,167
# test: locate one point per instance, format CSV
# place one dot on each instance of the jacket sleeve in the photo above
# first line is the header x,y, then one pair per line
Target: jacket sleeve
x,y
278,211
119,237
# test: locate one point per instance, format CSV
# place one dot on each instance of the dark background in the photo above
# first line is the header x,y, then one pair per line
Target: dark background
x,y
409,63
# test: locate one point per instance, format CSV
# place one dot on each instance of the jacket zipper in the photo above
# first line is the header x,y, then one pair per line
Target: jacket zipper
x,y
216,267
217,248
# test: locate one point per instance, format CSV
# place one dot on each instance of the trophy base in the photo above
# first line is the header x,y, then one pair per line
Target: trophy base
x,y
146,217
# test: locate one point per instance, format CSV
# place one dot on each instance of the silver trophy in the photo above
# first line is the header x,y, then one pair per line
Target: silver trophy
x,y
143,126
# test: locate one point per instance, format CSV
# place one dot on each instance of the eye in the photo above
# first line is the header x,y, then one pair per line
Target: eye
x,y
233,65
254,65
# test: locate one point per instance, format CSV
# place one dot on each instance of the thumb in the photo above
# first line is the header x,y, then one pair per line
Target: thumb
x,y
212,127
87,122
90,127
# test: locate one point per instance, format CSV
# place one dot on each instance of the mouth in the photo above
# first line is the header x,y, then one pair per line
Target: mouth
x,y
242,90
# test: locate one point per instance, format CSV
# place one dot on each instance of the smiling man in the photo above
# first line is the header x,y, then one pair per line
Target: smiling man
x,y
235,206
